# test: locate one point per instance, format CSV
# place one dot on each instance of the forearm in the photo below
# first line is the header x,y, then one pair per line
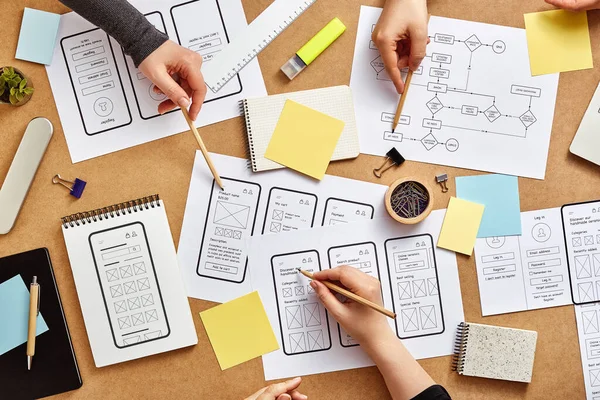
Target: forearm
x,y
123,22
403,375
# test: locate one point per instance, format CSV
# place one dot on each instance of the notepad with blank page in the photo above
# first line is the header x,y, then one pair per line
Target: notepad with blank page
x,y
261,116
494,352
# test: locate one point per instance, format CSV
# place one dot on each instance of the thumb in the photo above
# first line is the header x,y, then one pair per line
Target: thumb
x,y
418,48
328,299
171,89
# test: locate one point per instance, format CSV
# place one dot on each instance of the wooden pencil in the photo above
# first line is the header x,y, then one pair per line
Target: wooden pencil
x,y
352,296
402,100
213,170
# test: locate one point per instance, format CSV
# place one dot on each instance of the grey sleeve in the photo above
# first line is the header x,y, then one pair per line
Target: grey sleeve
x,y
123,22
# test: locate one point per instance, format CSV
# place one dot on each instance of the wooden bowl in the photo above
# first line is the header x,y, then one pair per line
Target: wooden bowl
x,y
418,218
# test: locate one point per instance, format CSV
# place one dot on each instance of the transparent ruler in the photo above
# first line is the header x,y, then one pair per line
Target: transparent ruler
x,y
245,47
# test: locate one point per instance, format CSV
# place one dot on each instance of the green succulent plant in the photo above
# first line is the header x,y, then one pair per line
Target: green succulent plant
x,y
15,84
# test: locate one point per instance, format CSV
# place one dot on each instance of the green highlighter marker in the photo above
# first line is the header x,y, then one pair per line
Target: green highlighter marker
x,y
313,48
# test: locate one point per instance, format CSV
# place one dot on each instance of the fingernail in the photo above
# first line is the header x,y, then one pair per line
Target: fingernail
x,y
183,102
313,284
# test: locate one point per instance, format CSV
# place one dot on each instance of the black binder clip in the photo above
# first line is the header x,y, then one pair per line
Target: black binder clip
x,y
394,157
442,179
75,188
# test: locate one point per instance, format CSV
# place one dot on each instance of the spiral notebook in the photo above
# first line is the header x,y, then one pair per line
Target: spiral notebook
x,y
125,269
261,116
494,352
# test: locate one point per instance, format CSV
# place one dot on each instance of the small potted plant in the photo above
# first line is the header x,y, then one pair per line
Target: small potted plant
x,y
15,88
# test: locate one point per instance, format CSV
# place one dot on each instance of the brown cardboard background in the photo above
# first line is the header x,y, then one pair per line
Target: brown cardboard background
x,y
164,167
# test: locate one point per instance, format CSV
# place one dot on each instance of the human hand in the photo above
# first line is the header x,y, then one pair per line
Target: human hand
x,y
401,37
575,5
361,322
280,391
170,59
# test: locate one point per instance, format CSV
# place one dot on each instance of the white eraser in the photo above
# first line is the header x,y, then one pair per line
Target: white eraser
x,y
22,170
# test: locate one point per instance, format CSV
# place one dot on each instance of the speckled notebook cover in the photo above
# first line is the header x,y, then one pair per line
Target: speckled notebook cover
x,y
494,352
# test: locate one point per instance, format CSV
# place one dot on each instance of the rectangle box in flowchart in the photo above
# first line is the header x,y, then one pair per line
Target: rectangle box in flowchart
x,y
443,38
432,123
389,117
439,73
394,137
470,110
437,87
441,58
525,91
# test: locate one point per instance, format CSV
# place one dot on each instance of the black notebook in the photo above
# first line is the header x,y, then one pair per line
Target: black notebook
x,y
54,368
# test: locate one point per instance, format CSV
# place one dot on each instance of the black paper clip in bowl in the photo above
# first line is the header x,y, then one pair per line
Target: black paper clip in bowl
x,y
393,158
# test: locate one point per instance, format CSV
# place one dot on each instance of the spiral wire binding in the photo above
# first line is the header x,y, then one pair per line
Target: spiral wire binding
x,y
251,162
116,210
460,347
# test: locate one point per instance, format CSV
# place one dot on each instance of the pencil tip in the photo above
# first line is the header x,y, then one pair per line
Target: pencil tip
x,y
298,269
392,130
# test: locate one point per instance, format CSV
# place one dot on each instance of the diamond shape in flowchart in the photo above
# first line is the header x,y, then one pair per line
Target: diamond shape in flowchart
x,y
527,119
473,43
492,113
377,64
429,141
434,105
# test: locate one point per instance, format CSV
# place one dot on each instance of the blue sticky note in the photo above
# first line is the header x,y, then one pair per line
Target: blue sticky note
x,y
38,36
500,195
14,314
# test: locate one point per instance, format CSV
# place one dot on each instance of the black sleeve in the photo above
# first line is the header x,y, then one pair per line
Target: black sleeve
x,y
435,392
123,22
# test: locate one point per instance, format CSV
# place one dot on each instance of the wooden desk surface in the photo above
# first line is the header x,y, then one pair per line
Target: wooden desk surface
x,y
164,167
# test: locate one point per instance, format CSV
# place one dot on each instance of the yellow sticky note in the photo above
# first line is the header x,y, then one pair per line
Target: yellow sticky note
x,y
558,41
304,139
460,226
239,330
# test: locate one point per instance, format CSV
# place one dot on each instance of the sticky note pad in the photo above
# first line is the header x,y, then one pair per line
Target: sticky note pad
x,y
558,41
500,196
38,36
14,314
239,330
304,139
460,226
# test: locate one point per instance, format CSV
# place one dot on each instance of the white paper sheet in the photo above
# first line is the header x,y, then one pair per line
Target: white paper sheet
x,y
212,247
527,272
555,262
105,104
419,282
588,331
129,287
472,103
582,237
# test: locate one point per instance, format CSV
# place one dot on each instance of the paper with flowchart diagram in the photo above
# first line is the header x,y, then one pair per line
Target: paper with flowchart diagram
x,y
106,104
419,283
212,249
472,103
555,262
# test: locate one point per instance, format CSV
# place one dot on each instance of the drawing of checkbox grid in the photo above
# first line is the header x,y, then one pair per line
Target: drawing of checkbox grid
x,y
312,314
126,271
595,377
315,340
139,268
278,215
112,275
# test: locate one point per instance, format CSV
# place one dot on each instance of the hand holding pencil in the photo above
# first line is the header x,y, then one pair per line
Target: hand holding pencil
x,y
363,323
